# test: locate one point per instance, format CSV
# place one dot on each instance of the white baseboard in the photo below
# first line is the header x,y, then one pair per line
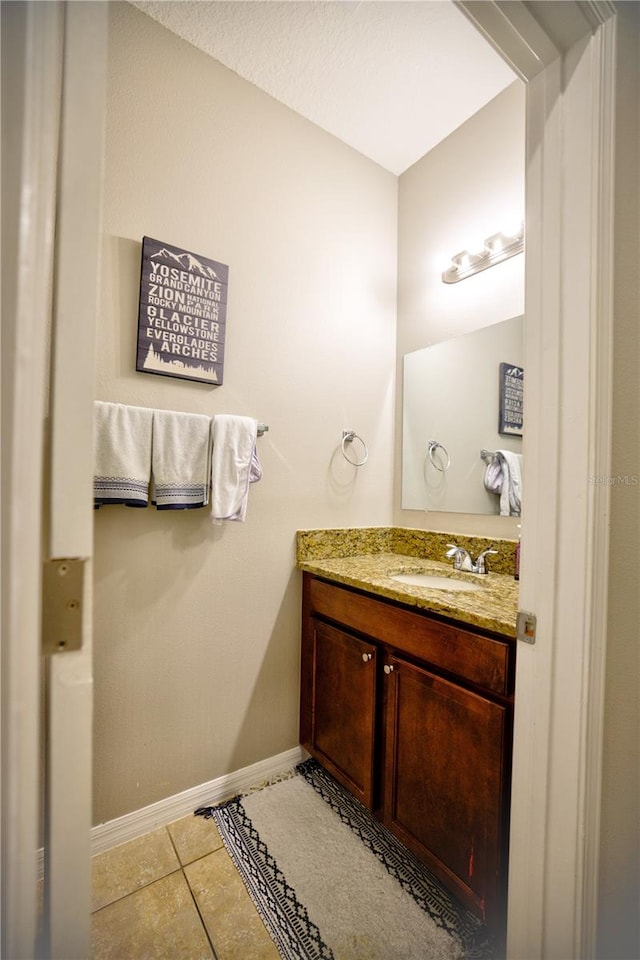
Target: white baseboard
x,y
104,836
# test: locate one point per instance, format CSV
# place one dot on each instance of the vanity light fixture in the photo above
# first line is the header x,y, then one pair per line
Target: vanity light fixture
x,y
496,248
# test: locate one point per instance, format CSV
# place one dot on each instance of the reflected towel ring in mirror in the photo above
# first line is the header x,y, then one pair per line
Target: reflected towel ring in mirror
x,y
347,437
433,445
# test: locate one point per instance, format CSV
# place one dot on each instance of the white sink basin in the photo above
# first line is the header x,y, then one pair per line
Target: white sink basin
x,y
434,581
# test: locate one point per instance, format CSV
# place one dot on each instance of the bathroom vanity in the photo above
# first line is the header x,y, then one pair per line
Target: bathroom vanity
x,y
412,711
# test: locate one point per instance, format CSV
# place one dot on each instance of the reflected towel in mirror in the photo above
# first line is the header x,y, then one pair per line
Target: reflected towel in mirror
x,y
503,476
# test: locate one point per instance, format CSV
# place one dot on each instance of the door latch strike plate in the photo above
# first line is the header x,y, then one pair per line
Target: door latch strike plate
x,y
62,600
526,626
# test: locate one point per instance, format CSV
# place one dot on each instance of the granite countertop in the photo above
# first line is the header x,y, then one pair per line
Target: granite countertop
x,y
493,606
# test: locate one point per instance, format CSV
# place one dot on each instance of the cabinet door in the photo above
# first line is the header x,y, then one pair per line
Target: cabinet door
x,y
444,782
343,712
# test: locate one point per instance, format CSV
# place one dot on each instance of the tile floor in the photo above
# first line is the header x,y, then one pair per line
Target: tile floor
x,y
174,894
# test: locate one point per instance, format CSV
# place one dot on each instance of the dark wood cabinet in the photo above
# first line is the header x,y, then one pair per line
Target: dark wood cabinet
x,y
343,707
414,715
444,776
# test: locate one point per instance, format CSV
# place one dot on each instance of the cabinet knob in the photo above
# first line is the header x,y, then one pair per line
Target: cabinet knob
x,y
366,657
388,668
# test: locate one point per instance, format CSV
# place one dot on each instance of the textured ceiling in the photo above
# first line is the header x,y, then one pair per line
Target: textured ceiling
x,y
390,78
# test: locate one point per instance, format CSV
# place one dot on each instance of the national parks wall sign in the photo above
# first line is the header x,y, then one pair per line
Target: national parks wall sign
x,y
182,315
511,400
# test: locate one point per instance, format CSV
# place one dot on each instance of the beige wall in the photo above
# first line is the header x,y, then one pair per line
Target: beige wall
x,y
619,930
467,187
197,625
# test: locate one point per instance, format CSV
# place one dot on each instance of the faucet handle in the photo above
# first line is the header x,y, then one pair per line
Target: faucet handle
x,y
461,557
454,553
457,554
480,562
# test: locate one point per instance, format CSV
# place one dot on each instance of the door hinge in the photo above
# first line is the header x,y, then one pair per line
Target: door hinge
x,y
62,605
526,626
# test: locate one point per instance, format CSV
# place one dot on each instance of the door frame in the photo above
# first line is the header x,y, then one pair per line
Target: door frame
x,y
69,477
56,70
32,63
569,67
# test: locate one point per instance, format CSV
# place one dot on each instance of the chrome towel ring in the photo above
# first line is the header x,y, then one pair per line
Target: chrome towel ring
x,y
432,446
348,436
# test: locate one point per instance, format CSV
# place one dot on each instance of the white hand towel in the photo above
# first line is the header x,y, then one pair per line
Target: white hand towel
x,y
503,476
493,475
234,466
511,492
181,460
122,454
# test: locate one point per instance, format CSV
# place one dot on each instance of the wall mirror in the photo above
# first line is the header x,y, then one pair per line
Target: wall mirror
x,y
452,396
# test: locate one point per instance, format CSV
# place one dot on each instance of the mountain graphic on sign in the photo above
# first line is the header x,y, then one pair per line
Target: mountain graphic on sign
x,y
155,361
187,261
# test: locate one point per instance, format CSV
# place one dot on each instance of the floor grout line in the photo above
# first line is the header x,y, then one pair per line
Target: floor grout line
x,y
137,889
193,896
170,872
204,926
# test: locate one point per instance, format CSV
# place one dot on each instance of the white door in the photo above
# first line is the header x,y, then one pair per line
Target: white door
x,y
54,64
569,67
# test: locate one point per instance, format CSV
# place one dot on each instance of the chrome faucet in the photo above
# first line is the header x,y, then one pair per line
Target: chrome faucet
x,y
462,559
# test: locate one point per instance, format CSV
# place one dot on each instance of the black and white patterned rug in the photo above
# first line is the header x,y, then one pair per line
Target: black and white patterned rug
x,y
331,883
